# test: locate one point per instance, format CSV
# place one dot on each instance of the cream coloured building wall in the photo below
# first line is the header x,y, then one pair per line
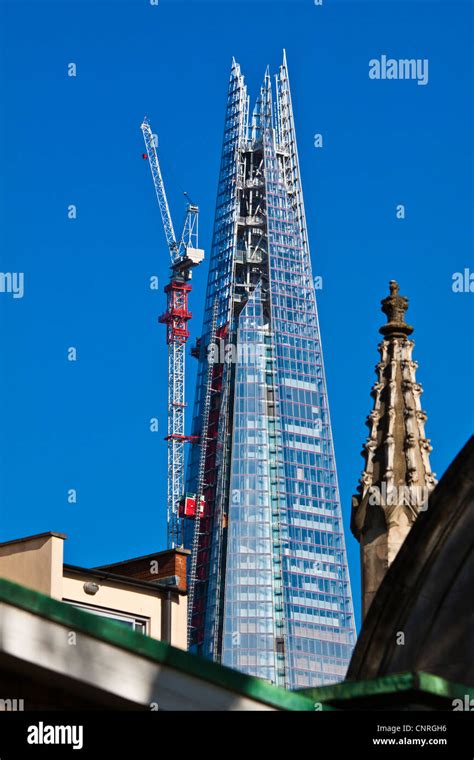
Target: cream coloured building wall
x,y
140,603
179,622
37,563
116,599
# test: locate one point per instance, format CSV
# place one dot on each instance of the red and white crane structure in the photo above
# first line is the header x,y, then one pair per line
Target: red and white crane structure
x,y
185,254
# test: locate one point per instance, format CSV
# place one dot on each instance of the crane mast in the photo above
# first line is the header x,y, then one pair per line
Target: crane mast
x,y
184,255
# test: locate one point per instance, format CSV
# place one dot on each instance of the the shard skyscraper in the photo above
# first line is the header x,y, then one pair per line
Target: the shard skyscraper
x,y
270,585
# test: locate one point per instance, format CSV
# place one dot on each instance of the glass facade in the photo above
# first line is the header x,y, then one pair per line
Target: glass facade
x,y
271,594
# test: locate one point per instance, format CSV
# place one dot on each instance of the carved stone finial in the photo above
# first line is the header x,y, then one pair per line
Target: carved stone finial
x,y
395,306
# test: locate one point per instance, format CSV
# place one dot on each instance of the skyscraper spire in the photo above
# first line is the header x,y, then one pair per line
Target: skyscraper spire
x,y
271,592
397,476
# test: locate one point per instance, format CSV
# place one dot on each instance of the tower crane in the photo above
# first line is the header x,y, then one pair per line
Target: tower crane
x,y
184,254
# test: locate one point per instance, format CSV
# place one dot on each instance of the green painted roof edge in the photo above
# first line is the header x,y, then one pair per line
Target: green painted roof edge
x,y
389,684
152,649
355,689
442,687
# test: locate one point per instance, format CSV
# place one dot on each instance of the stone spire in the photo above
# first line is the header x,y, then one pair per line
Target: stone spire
x,y
397,477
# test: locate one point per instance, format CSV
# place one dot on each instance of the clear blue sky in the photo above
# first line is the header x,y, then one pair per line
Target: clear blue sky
x,y
65,140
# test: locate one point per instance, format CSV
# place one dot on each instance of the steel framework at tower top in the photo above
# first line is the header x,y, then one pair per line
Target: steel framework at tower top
x,y
185,254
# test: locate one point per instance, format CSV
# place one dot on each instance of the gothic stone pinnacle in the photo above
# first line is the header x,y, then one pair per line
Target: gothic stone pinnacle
x,y
394,307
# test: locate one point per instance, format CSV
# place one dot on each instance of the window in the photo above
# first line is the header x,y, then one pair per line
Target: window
x,y
135,623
